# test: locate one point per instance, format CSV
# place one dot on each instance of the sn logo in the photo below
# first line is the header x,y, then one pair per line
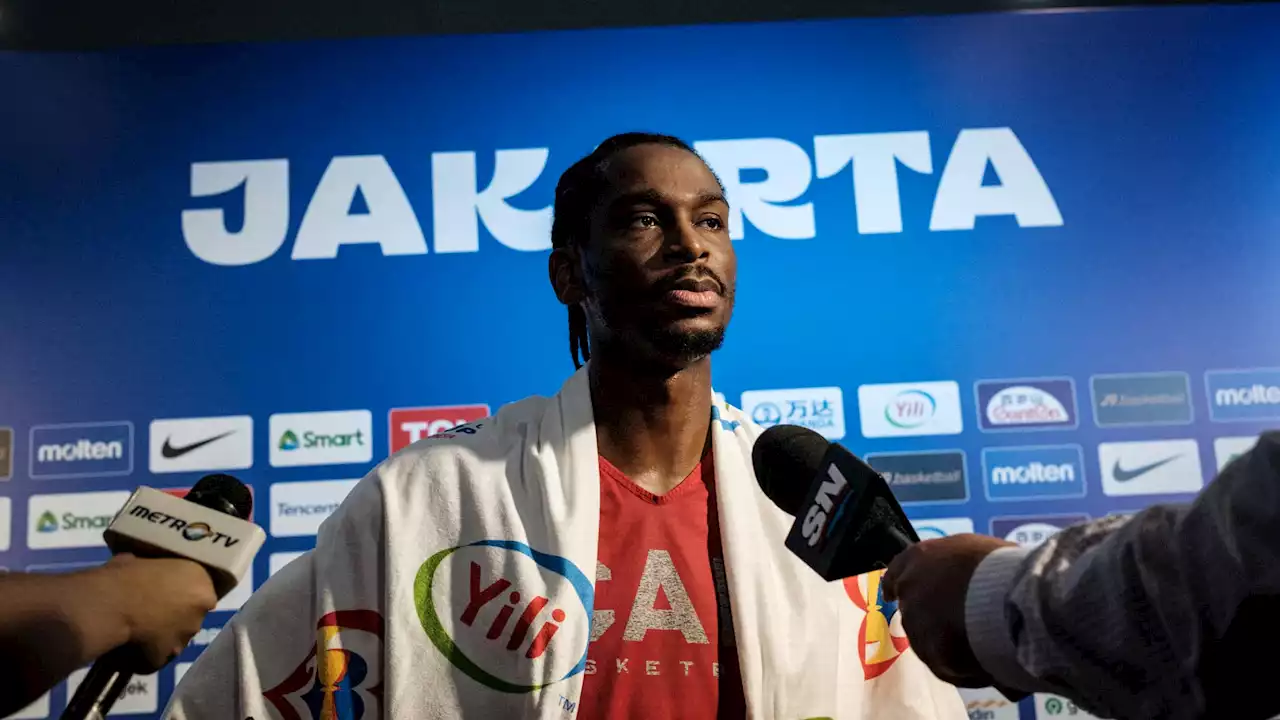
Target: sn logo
x,y
479,597
815,521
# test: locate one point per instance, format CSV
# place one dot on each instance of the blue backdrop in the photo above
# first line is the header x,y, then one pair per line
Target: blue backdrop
x,y
1153,132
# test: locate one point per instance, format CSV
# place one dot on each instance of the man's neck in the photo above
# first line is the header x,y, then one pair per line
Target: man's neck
x,y
653,426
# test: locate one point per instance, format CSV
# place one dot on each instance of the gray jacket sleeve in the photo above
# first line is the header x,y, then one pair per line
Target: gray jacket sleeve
x,y
1117,614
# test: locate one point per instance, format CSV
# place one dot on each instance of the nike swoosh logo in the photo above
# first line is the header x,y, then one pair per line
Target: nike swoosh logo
x,y
1122,475
169,451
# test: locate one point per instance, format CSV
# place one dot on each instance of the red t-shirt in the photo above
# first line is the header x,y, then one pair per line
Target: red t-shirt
x,y
662,643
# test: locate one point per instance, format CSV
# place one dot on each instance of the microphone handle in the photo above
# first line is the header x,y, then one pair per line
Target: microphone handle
x,y
101,688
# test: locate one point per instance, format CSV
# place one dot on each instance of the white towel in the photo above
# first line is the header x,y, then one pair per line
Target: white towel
x,y
390,615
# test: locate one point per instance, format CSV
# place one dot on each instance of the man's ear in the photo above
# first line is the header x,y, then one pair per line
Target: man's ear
x,y
565,273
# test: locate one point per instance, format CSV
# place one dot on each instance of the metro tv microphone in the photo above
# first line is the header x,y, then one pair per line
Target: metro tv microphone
x,y
847,520
210,526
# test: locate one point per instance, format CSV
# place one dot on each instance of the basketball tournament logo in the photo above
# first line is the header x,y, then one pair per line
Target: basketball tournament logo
x,y
881,639
340,678
510,617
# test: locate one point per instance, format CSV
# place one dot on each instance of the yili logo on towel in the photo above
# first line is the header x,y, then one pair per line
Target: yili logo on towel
x,y
512,618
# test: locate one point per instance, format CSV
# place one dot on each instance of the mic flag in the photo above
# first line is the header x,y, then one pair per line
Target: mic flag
x,y
847,520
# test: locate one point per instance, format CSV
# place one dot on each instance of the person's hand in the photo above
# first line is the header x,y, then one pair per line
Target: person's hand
x,y
163,602
929,580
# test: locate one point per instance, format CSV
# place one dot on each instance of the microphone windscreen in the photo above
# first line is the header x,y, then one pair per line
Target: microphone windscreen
x,y
786,458
223,493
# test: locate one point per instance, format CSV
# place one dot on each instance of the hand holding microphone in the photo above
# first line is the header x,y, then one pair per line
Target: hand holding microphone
x,y
848,523
209,544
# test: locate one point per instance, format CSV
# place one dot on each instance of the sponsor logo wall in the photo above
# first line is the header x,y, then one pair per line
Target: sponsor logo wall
x,y
967,318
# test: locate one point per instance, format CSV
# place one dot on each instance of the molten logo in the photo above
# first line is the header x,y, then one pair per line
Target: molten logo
x,y
910,409
881,639
519,606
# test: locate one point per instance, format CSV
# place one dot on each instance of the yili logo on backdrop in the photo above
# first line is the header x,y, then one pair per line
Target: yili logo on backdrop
x,y
81,450
1026,404
1150,468
1241,395
1038,472
1141,399
71,520
923,477
321,438
1031,530
910,409
409,425
503,613
819,409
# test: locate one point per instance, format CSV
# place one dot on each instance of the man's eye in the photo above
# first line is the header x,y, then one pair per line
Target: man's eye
x,y
713,223
644,221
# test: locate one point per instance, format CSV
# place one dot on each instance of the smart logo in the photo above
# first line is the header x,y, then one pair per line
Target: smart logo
x,y
409,425
1055,707
1150,468
819,409
910,409
1141,399
81,450
1031,404
522,606
933,528
923,477
71,520
1034,472
1031,530
1240,395
322,438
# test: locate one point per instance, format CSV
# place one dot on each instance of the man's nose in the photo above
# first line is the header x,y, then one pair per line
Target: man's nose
x,y
685,244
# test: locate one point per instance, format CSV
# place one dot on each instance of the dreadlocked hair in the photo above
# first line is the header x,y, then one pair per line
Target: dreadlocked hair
x,y
577,192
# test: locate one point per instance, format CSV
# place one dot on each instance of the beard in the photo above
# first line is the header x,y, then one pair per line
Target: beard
x,y
685,347
634,334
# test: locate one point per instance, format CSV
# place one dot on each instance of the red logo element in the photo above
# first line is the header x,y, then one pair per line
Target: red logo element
x,y
182,493
880,644
341,678
409,425
481,596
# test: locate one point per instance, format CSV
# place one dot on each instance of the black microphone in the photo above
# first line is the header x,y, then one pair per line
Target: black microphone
x,y
155,524
847,520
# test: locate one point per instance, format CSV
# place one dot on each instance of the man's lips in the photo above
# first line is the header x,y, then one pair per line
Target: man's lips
x,y
694,293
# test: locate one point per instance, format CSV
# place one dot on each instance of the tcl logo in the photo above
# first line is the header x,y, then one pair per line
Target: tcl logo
x,y
409,425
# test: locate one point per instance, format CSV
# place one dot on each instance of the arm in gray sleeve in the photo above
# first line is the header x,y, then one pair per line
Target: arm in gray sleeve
x,y
1118,615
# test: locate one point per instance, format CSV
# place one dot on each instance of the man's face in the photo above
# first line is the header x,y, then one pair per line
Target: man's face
x,y
658,267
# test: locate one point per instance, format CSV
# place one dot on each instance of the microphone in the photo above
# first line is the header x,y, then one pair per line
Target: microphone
x,y
210,527
847,520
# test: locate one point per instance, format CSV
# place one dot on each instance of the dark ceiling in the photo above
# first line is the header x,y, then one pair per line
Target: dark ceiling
x,y
90,24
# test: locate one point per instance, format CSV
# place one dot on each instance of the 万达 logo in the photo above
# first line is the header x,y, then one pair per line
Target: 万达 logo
x,y
496,649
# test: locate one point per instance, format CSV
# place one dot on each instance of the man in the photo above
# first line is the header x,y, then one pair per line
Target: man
x,y
52,625
1168,614
604,553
